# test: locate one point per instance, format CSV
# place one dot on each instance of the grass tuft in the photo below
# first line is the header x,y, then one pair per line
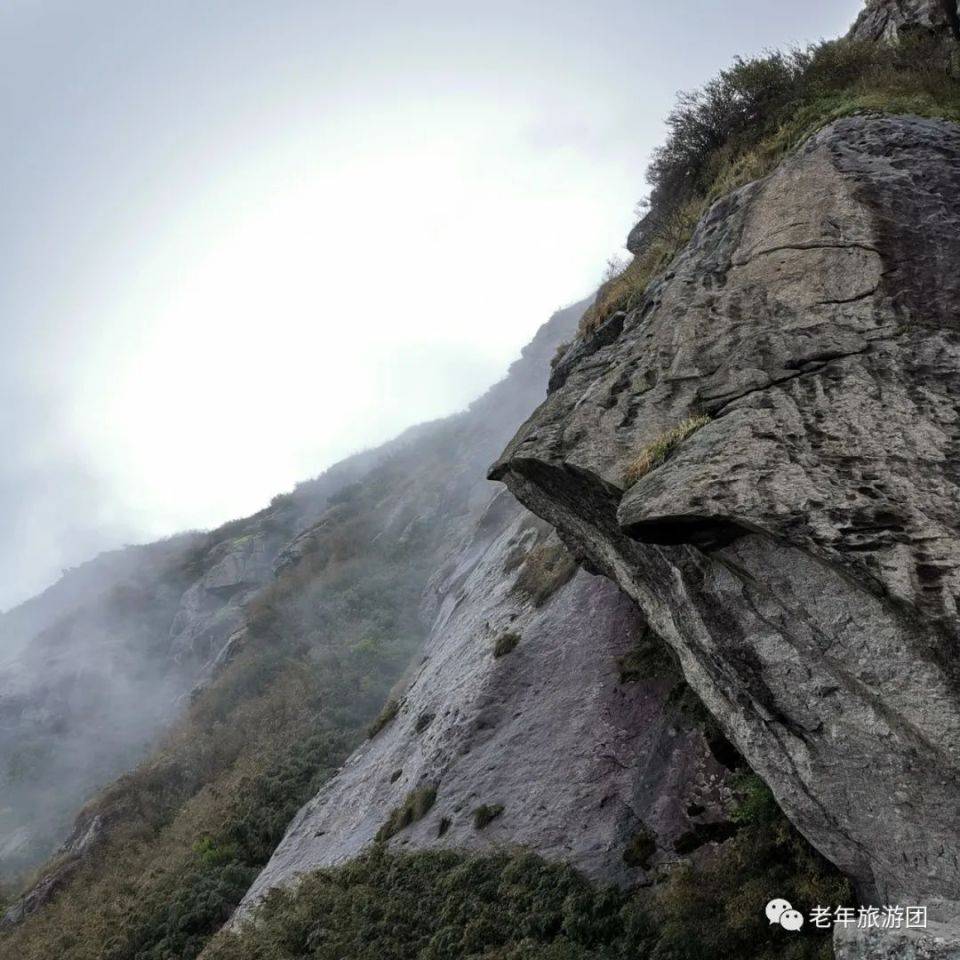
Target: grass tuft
x,y
415,807
486,814
546,568
505,644
385,717
654,454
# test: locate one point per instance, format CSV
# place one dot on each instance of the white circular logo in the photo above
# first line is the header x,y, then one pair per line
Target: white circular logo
x,y
780,911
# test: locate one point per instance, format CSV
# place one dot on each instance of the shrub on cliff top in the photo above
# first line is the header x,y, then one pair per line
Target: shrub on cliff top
x,y
739,126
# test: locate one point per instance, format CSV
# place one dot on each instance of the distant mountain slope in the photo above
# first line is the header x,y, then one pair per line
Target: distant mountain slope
x,y
92,669
332,577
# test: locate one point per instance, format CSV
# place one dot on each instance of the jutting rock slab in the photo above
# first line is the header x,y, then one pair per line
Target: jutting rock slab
x,y
800,551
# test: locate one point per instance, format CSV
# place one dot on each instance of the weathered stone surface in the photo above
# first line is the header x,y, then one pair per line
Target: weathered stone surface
x,y
890,19
938,940
211,609
581,761
801,551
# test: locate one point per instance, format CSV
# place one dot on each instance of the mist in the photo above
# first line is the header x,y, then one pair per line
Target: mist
x,y
242,241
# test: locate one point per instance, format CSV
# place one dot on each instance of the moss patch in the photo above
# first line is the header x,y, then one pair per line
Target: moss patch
x,y
641,848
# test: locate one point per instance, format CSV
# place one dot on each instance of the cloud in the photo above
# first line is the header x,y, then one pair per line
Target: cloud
x,y
242,240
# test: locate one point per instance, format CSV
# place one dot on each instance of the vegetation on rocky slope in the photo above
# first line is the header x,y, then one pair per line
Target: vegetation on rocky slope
x,y
442,905
180,838
190,829
739,126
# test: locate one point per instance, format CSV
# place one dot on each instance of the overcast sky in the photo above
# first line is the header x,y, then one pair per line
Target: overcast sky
x,y
239,240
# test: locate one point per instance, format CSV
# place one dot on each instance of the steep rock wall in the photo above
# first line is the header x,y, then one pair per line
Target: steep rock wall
x,y
800,552
587,760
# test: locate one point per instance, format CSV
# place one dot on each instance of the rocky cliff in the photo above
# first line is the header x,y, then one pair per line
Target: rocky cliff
x,y
753,465
540,697
762,455
893,19
114,653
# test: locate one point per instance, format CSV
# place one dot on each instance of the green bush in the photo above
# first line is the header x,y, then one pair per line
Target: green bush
x,y
755,803
715,910
739,126
449,905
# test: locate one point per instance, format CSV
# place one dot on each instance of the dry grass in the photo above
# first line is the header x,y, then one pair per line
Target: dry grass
x,y
623,291
386,716
546,568
657,452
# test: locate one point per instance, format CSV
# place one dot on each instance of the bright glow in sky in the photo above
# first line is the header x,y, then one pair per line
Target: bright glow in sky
x,y
242,240
319,299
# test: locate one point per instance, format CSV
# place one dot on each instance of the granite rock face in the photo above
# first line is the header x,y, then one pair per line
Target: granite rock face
x,y
800,552
587,758
891,19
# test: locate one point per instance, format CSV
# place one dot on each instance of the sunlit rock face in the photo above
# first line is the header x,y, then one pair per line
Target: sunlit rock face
x,y
543,696
800,552
891,19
